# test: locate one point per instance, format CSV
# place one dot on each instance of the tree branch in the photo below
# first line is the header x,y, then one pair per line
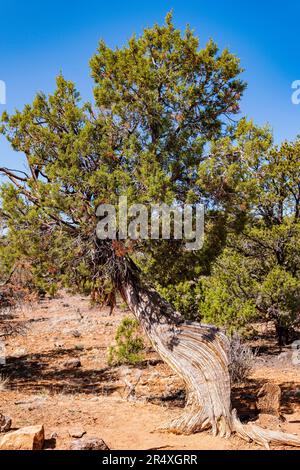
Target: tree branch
x,y
12,173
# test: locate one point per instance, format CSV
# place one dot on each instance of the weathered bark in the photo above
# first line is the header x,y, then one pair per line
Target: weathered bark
x,y
200,356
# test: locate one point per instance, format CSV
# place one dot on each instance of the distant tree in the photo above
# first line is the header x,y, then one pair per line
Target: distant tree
x,y
258,275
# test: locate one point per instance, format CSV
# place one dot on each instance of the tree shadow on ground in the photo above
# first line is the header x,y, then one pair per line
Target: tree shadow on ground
x,y
10,323
244,398
290,397
176,399
46,372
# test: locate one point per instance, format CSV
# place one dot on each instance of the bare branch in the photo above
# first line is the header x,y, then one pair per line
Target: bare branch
x,y
12,173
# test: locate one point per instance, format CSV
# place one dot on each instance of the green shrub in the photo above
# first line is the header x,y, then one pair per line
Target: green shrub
x,y
129,345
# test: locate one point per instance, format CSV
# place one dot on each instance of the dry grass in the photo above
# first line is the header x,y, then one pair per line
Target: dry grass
x,y
242,360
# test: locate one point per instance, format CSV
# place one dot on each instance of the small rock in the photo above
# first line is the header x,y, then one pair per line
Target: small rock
x,y
283,357
28,438
54,435
77,432
5,423
25,402
20,352
72,364
33,403
89,444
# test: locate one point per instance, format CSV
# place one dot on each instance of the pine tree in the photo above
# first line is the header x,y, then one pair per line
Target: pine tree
x,y
158,101
257,276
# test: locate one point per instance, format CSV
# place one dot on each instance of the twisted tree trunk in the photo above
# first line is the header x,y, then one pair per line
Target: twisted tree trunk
x,y
200,356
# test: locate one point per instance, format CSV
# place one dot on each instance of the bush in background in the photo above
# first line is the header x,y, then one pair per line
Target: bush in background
x,y
185,298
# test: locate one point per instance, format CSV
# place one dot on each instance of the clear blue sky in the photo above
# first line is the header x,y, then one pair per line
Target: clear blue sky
x,y
38,39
